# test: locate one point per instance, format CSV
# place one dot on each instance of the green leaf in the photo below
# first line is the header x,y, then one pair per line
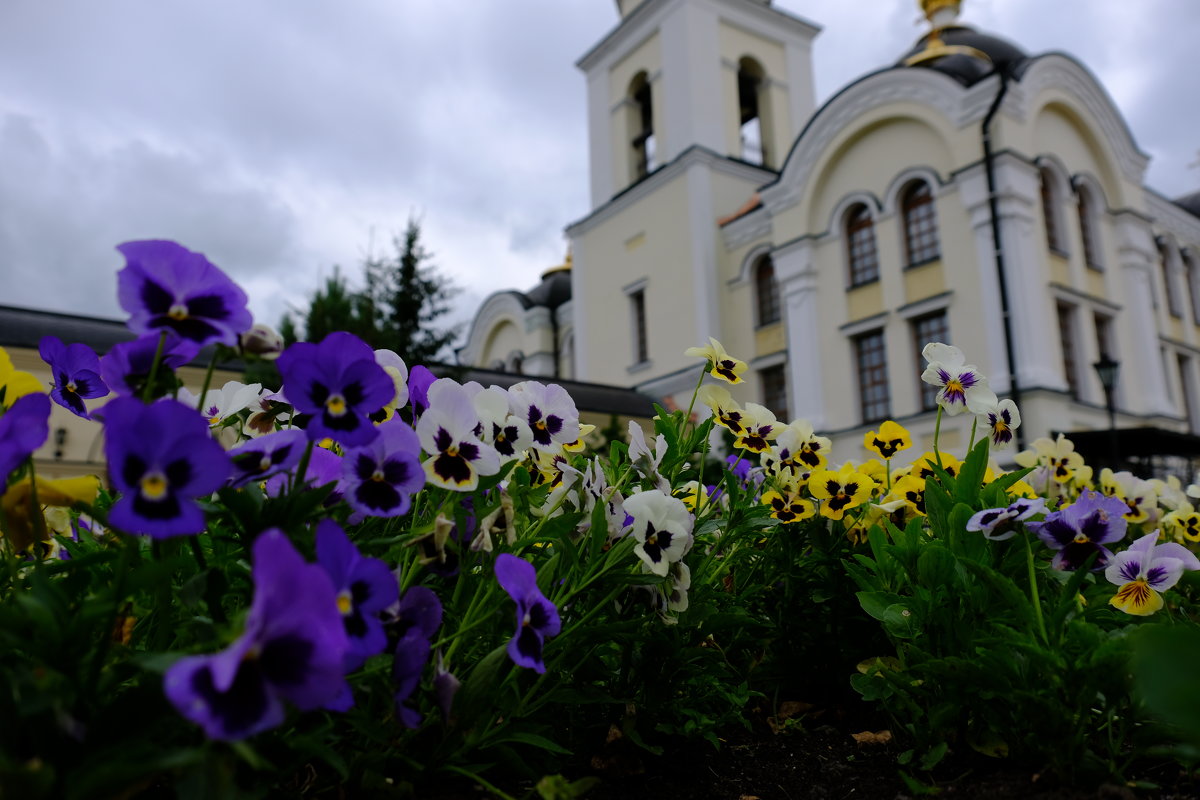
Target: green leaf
x,y
970,477
532,739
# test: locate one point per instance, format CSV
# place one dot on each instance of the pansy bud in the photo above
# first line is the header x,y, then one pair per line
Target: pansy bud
x,y
262,341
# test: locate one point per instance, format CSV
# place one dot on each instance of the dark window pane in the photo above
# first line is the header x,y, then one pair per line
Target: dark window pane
x,y
871,361
860,244
767,290
920,224
926,329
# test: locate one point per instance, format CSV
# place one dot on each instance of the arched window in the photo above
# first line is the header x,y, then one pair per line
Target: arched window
x,y
641,127
920,224
1054,233
861,253
750,111
766,290
1089,229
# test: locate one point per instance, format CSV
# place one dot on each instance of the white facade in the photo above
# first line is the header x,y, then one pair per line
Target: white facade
x,y
894,165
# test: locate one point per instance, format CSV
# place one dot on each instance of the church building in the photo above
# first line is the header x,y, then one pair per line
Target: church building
x,y
967,193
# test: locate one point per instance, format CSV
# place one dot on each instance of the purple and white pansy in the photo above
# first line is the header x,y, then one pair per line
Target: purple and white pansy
x,y
259,459
999,524
447,433
662,527
548,410
961,386
1145,570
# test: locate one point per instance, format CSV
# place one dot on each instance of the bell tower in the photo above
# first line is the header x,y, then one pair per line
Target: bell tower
x,y
732,76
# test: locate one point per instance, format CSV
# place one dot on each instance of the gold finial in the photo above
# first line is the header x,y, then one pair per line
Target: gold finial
x,y
563,267
941,15
931,7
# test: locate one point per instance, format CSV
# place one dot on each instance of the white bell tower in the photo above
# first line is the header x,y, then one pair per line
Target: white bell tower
x,y
733,76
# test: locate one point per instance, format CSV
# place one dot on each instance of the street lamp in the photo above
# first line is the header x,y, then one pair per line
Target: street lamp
x,y
1107,369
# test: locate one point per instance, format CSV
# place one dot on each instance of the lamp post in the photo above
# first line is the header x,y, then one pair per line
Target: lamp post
x,y
1107,369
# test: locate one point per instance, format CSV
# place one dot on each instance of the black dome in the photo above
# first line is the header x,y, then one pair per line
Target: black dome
x,y
553,291
966,68
1189,202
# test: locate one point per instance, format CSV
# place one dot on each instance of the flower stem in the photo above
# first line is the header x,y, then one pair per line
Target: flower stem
x,y
937,433
212,364
971,443
148,389
1033,590
298,478
35,508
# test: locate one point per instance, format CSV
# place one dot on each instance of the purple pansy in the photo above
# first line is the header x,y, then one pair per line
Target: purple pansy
x,y
324,467
998,524
126,366
418,617
548,410
1082,528
419,381
339,384
76,372
161,458
537,617
165,285
293,649
23,429
364,586
263,457
379,478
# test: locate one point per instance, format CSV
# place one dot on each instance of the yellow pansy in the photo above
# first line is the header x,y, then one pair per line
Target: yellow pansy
x,y
13,382
890,439
723,365
20,523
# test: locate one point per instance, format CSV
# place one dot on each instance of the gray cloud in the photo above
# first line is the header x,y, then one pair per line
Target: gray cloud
x,y
283,138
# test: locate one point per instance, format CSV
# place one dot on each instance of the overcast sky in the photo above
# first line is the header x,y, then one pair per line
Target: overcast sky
x,y
282,137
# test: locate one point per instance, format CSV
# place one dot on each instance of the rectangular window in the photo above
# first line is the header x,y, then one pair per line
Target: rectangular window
x,y
926,329
870,357
637,306
1190,268
1185,389
1104,340
774,391
1070,354
1173,304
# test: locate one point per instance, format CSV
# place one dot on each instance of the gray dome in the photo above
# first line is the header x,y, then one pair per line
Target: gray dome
x,y
553,291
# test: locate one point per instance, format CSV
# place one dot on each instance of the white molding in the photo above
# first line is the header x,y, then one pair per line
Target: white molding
x,y
753,176
1169,217
891,196
922,86
857,327
496,308
928,305
753,255
1058,71
746,228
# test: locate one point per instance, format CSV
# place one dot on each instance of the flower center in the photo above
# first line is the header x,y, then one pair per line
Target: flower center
x,y
178,312
1081,538
70,387
265,463
377,476
954,386
452,451
345,603
154,486
336,405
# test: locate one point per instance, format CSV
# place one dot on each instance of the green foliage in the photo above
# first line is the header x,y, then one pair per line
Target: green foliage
x,y
402,298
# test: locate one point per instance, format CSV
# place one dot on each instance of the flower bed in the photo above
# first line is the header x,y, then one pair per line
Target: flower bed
x,y
379,581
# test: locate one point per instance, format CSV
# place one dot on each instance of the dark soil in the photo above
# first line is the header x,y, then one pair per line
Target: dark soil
x,y
825,761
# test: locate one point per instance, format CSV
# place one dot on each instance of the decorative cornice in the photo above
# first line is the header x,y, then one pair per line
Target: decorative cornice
x,y
1060,71
1184,226
922,86
696,154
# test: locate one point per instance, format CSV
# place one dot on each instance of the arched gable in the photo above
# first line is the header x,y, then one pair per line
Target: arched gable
x,y
501,313
1058,84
